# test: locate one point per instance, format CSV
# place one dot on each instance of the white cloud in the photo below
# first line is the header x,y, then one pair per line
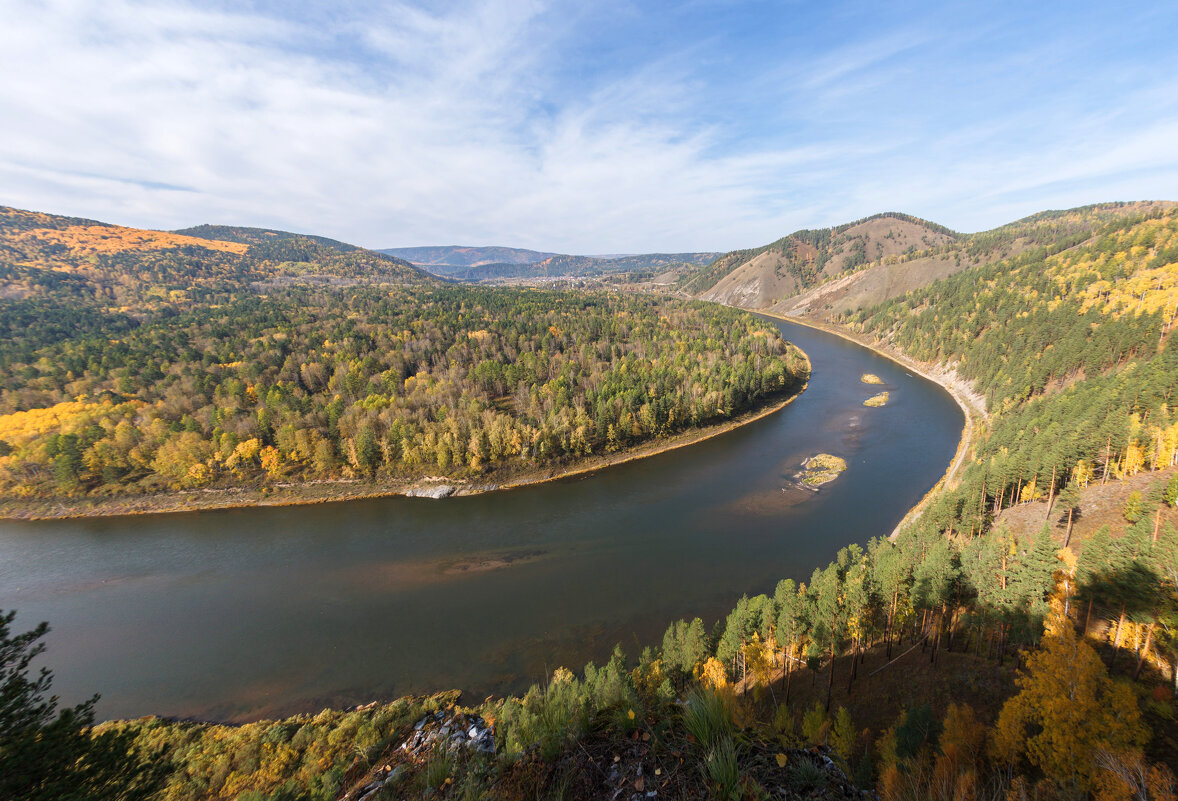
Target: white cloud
x,y
404,126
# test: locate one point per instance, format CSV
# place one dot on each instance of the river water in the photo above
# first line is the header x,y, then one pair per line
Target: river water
x,y
248,613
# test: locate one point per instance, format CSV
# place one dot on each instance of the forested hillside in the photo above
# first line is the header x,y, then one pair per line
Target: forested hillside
x,y
459,256
44,258
1072,346
137,362
758,277
829,272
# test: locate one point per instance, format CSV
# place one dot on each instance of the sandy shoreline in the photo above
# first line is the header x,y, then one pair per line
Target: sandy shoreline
x,y
311,492
972,405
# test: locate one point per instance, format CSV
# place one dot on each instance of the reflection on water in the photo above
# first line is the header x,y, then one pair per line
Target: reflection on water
x,y
394,576
238,614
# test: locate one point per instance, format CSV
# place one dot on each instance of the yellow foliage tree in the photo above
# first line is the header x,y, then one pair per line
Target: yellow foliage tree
x,y
758,659
271,461
712,675
1067,711
1127,776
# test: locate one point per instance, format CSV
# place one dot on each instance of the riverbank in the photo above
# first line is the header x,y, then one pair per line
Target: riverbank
x,y
331,491
972,405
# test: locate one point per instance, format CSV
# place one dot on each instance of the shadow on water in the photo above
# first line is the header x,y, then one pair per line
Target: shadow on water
x,y
237,614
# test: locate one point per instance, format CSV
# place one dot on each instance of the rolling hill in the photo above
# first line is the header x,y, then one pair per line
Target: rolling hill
x,y
759,277
45,256
492,264
831,271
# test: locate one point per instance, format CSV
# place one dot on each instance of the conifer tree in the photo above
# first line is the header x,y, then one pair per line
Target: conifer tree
x,y
49,754
1068,503
1033,577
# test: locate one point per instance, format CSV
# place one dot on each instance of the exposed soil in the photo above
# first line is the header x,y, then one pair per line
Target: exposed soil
x,y
1100,505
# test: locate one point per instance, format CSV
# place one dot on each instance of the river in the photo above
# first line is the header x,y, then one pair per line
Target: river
x,y
245,613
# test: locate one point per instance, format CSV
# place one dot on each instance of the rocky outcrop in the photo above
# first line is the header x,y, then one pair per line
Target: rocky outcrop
x,y
449,731
439,491
445,732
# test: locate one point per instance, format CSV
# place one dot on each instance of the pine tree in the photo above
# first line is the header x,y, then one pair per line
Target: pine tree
x,y
1067,503
1134,507
1033,577
48,754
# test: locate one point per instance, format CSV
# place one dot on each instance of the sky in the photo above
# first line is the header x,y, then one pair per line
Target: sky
x,y
582,127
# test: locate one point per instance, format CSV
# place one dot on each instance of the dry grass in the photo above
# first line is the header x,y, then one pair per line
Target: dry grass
x,y
822,468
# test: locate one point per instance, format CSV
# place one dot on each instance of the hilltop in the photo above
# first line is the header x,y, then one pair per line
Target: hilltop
x,y
758,277
826,272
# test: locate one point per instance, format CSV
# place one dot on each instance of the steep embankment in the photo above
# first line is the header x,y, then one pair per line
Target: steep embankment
x,y
1071,346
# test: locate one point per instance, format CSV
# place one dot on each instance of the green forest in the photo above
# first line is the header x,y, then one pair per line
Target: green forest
x,y
231,382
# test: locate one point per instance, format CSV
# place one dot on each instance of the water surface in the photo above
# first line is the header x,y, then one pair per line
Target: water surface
x,y
244,613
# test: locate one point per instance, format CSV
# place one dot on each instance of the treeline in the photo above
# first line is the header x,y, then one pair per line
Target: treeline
x,y
1074,353
375,384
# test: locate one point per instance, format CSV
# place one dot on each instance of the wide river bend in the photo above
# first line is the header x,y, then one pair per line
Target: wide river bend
x,y
245,613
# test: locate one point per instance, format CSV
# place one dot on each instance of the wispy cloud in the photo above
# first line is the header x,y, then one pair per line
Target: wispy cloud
x,y
539,124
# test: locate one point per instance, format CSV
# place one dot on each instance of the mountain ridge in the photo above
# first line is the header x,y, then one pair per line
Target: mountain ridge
x,y
567,266
831,271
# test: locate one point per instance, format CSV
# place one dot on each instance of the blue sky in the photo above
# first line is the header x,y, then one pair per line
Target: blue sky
x,y
601,127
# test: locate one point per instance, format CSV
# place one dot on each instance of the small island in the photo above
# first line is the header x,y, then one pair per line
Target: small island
x,y
877,400
822,468
870,378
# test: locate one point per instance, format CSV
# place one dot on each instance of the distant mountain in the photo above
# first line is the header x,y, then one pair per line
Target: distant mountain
x,y
562,266
465,256
831,271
